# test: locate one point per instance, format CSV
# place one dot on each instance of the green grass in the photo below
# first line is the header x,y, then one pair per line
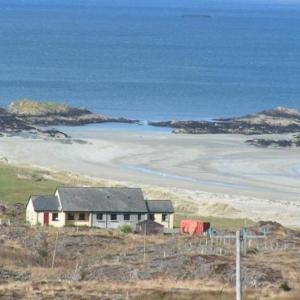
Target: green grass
x,y
29,107
219,223
17,184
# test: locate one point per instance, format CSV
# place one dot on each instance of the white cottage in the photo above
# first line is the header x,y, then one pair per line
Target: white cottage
x,y
95,207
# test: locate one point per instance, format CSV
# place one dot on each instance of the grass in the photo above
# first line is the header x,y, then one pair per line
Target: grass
x,y
219,223
17,184
29,107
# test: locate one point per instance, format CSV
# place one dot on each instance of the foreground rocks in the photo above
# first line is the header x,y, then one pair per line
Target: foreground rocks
x,y
278,120
108,256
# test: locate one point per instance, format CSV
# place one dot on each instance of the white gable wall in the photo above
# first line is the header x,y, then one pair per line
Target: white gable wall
x,y
31,215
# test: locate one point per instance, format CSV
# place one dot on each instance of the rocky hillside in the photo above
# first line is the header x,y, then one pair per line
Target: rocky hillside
x,y
277,120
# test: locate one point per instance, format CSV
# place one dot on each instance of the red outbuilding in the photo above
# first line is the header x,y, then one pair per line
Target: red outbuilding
x,y
193,227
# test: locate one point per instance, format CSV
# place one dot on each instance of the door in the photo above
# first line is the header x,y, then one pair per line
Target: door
x,y
46,218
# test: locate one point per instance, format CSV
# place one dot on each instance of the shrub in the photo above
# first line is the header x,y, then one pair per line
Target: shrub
x,y
126,228
285,286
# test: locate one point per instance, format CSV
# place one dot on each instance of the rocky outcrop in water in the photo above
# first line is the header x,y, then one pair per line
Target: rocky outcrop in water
x,y
27,118
278,120
50,114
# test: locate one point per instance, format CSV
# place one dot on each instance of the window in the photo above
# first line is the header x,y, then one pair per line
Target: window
x,y
54,216
99,217
82,217
126,217
71,216
151,217
164,217
113,217
139,217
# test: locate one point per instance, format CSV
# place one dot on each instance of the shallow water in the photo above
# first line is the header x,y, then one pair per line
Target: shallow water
x,y
159,173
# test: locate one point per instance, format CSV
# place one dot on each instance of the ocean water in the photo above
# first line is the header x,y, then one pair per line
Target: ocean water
x,y
152,60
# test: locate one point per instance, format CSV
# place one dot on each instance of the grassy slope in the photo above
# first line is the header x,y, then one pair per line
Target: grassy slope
x,y
17,184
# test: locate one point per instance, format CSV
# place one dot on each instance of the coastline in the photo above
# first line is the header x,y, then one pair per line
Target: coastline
x,y
220,173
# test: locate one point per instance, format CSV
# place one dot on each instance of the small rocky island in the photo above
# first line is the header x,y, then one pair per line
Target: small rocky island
x,y
27,117
274,121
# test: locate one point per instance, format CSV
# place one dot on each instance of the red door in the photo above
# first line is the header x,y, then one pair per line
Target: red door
x,y
46,218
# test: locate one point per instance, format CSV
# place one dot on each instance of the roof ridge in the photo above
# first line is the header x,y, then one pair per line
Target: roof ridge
x,y
158,200
50,195
98,187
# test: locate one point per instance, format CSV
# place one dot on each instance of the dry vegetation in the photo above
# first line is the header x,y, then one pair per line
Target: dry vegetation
x,y
30,107
174,267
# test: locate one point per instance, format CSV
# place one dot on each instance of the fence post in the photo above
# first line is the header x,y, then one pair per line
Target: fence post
x,y
54,252
238,266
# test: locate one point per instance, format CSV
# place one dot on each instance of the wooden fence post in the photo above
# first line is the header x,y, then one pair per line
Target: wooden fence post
x,y
54,252
238,266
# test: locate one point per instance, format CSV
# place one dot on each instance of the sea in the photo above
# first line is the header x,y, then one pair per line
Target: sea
x,y
152,59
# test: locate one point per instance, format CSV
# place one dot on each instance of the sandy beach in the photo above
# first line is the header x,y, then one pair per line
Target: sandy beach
x,y
221,173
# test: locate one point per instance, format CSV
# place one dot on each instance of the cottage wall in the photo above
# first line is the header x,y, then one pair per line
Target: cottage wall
x,y
77,221
31,215
40,218
169,223
106,222
61,220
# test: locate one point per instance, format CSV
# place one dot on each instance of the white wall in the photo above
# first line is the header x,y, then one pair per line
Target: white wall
x,y
61,219
108,223
31,215
169,223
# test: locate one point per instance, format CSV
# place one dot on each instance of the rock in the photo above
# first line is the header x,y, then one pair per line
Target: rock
x,y
4,159
6,275
50,114
3,209
264,143
197,16
274,230
295,141
278,120
25,117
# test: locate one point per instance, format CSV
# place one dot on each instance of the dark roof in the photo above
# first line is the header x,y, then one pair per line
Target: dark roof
x,y
160,206
102,199
45,203
150,223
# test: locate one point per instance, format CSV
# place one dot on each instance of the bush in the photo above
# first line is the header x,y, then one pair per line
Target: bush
x,y
126,228
285,286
